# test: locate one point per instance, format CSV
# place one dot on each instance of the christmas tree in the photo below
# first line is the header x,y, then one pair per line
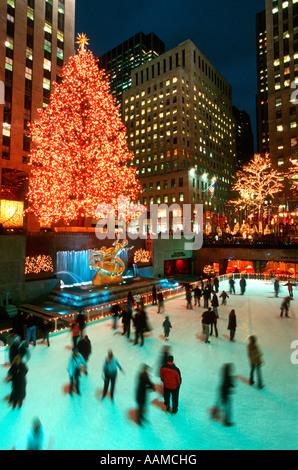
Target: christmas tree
x,y
81,157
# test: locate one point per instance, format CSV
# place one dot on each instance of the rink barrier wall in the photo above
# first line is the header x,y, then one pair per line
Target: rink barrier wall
x,y
101,312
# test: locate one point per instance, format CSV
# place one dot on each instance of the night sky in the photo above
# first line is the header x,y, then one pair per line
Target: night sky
x,y
224,31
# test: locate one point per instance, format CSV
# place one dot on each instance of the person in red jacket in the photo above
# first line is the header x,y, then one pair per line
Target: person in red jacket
x,y
171,377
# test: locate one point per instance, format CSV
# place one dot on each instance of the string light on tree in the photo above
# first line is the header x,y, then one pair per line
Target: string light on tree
x,y
81,159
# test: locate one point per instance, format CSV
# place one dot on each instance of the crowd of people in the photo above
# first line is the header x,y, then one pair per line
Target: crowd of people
x,y
132,313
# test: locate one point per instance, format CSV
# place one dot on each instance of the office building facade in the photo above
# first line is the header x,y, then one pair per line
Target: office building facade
x,y
178,114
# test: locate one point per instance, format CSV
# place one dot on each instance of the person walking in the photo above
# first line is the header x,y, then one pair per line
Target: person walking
x,y
75,365
75,331
290,288
160,301
188,299
17,373
31,330
232,285
138,299
242,283
225,390
154,295
224,296
215,303
143,385
171,377
110,369
167,327
84,347
207,319
255,359
197,295
276,286
213,323
232,324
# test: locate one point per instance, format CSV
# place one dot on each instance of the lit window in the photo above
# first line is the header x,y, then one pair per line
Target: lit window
x,y
280,128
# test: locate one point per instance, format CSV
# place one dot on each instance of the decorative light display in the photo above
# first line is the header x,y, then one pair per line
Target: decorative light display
x,y
142,256
81,159
11,213
38,264
293,175
257,183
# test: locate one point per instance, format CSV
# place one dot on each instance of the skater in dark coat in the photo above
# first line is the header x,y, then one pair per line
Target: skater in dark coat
x,y
232,324
18,347
197,295
18,372
154,295
45,329
167,327
207,319
225,393
126,320
140,326
242,283
188,299
285,306
81,322
144,384
18,325
232,285
206,296
84,347
214,303
116,311
160,301
255,359
213,323
216,284
276,287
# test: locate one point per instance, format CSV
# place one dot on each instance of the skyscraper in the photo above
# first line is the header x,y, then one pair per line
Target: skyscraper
x,y
120,61
282,65
36,37
178,114
262,85
243,136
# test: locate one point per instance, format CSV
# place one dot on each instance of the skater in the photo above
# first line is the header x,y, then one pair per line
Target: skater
x,y
276,287
81,322
216,284
154,295
126,321
144,384
188,299
285,306
197,295
138,299
36,438
242,283
207,319
75,331
75,365
17,373
224,399
255,359
171,377
84,347
160,301
232,285
110,373
290,288
232,324
130,302
31,330
18,347
213,323
18,324
46,328
214,303
206,296
224,297
140,326
167,327
116,310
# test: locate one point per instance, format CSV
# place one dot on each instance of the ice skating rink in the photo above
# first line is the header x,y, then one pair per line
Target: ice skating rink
x,y
263,419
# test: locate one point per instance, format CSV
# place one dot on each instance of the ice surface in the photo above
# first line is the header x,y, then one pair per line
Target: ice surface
x,y
263,419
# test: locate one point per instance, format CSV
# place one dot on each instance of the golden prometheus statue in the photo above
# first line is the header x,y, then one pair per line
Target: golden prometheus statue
x,y
107,264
